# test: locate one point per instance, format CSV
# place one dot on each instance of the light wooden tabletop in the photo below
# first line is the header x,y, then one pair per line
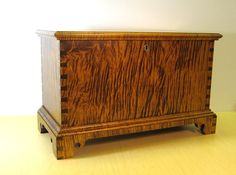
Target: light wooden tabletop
x,y
172,151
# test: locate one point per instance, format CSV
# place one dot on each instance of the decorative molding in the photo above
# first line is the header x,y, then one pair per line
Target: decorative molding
x,y
99,35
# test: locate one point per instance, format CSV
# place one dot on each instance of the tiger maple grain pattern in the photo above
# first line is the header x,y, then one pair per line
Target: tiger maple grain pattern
x,y
101,84
120,80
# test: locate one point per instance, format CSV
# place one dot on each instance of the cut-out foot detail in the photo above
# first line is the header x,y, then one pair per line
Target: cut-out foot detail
x,y
64,147
41,128
207,125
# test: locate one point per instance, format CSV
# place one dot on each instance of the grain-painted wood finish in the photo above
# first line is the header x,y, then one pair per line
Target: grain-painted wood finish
x,y
109,83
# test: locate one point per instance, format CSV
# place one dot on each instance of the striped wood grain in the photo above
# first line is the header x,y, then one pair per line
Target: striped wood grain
x,y
122,80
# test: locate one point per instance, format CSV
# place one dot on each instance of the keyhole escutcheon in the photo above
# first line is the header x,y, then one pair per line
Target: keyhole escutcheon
x,y
146,47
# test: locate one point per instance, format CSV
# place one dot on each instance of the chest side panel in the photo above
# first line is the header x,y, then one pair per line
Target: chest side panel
x,y
121,80
50,61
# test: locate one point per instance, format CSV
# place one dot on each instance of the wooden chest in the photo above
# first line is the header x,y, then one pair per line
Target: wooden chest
x,y
101,84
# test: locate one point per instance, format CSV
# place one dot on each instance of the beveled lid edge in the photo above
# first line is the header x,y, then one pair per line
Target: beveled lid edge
x,y
111,35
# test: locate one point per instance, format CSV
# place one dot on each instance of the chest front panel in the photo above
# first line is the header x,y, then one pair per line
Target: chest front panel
x,y
123,80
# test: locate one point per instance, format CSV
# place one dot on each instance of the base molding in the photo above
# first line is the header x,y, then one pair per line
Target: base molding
x,y
64,139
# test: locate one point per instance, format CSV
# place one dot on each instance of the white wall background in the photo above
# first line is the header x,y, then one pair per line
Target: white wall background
x,y
20,83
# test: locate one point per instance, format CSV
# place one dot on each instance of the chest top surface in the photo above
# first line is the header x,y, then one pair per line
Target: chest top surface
x,y
110,35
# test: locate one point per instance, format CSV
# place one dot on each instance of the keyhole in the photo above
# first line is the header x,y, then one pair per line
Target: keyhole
x,y
146,47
